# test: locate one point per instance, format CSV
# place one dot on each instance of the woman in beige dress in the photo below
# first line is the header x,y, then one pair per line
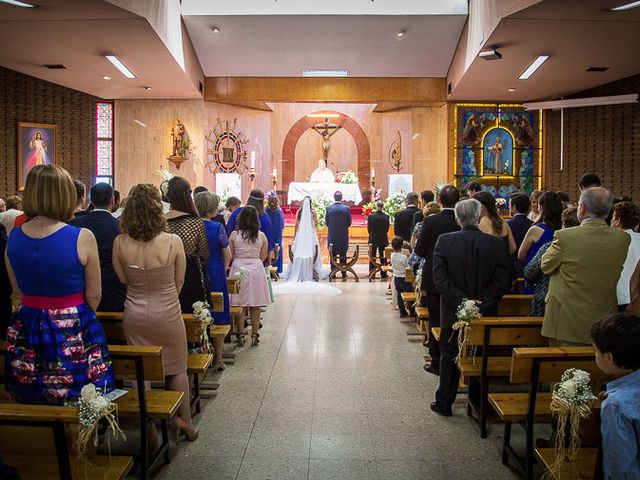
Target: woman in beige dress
x,y
152,263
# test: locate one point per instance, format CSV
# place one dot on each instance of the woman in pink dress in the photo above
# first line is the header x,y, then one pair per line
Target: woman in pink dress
x,y
250,249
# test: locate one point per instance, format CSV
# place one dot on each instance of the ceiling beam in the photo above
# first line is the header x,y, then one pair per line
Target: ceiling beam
x,y
337,90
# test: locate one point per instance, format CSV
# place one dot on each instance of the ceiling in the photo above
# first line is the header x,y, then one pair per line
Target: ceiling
x,y
577,34
364,45
77,33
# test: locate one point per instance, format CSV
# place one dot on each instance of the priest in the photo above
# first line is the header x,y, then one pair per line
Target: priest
x,y
322,174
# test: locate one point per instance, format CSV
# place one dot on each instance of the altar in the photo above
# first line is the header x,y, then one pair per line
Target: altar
x,y
299,190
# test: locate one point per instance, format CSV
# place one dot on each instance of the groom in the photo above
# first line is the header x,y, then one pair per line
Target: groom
x,y
338,219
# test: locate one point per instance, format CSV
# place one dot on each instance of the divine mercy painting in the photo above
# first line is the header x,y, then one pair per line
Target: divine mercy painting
x,y
36,146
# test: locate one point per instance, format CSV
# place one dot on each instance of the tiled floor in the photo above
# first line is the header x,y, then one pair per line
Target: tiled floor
x,y
335,390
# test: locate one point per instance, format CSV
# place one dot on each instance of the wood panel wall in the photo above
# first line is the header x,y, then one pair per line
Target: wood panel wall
x,y
603,140
430,148
27,99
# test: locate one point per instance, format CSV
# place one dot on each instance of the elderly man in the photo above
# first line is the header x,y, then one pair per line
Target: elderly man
x,y
467,265
584,264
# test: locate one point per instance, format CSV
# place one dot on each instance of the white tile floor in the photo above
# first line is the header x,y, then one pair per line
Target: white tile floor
x,y
335,390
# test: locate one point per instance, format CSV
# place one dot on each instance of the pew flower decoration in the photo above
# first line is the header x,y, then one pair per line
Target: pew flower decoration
x,y
348,177
202,313
240,274
93,407
467,312
571,401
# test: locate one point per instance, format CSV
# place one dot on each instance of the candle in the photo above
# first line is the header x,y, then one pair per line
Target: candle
x,y
253,159
275,173
373,173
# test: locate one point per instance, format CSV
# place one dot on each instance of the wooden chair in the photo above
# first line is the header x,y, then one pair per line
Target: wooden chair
x,y
536,366
33,440
352,256
378,267
486,334
316,253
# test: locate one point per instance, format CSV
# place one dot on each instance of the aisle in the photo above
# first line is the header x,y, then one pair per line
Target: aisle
x,y
334,391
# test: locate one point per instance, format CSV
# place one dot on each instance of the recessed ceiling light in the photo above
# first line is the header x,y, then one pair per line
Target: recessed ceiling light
x,y
535,65
107,77
120,66
215,29
626,6
511,89
16,3
401,33
147,88
324,73
323,115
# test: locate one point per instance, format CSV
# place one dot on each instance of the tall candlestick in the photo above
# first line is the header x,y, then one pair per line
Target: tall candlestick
x,y
275,173
373,173
253,159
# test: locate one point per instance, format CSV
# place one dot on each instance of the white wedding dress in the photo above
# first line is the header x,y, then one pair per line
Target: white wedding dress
x,y
298,277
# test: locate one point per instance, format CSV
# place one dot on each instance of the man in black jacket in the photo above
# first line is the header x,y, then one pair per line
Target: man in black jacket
x,y
426,196
105,228
467,265
378,228
432,227
519,224
404,218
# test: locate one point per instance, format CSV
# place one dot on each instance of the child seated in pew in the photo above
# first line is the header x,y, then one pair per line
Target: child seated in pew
x,y
616,340
399,262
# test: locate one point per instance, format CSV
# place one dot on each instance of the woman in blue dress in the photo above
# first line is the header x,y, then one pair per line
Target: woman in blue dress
x,y
256,199
276,215
219,259
55,344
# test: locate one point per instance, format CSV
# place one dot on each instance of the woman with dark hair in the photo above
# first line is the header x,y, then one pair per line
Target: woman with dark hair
x,y
492,223
151,263
256,200
183,220
249,250
276,215
542,232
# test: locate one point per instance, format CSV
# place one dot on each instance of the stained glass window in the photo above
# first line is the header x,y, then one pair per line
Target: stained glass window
x,y
104,142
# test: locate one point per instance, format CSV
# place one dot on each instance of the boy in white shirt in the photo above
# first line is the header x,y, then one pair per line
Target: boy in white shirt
x,y
400,262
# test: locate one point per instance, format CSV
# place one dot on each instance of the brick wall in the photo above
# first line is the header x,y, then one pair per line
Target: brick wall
x,y
604,140
27,99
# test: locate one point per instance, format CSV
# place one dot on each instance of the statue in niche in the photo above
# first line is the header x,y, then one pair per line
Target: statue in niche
x,y
177,136
326,130
524,132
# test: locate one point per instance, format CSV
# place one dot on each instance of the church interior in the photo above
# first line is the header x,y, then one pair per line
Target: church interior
x,y
296,99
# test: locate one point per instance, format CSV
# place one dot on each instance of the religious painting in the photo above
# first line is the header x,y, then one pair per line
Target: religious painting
x,y
400,183
226,151
36,146
499,146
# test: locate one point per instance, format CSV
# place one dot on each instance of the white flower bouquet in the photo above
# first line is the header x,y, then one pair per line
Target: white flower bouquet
x,y
240,274
571,401
348,177
319,205
501,203
467,312
202,313
393,205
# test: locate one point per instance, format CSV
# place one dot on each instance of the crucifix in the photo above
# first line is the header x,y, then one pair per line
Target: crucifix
x,y
326,130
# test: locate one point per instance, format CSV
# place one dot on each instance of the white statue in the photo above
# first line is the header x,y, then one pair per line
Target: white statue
x,y
322,174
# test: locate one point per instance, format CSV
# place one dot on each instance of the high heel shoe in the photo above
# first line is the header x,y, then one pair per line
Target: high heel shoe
x,y
255,339
189,431
240,339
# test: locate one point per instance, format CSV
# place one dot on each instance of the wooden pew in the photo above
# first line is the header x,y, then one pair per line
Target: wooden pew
x,y
515,305
140,364
537,366
422,314
33,440
490,332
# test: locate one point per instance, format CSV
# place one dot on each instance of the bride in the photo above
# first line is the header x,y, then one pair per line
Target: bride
x,y
307,262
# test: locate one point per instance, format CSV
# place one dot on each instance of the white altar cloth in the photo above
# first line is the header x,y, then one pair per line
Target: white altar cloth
x,y
299,190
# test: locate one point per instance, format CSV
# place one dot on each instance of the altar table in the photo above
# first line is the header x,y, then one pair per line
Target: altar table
x,y
299,190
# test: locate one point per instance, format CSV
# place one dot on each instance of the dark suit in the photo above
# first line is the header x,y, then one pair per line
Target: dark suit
x,y
417,218
378,228
432,227
466,265
105,228
338,218
519,226
404,221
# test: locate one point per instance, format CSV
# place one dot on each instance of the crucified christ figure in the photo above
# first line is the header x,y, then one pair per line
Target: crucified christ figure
x,y
326,130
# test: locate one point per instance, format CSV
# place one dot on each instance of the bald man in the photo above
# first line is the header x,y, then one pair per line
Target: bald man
x,y
584,264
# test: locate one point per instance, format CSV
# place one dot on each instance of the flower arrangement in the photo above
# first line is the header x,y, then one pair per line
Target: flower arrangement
x,y
501,203
368,208
376,194
571,401
269,194
319,205
393,205
347,177
93,406
240,274
466,313
202,313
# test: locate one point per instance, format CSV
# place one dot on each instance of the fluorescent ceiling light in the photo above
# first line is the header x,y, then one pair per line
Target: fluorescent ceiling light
x,y
627,6
16,3
323,115
120,66
535,65
324,73
583,102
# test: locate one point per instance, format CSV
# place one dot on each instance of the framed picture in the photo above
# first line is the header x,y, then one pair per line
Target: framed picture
x,y
37,145
400,183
